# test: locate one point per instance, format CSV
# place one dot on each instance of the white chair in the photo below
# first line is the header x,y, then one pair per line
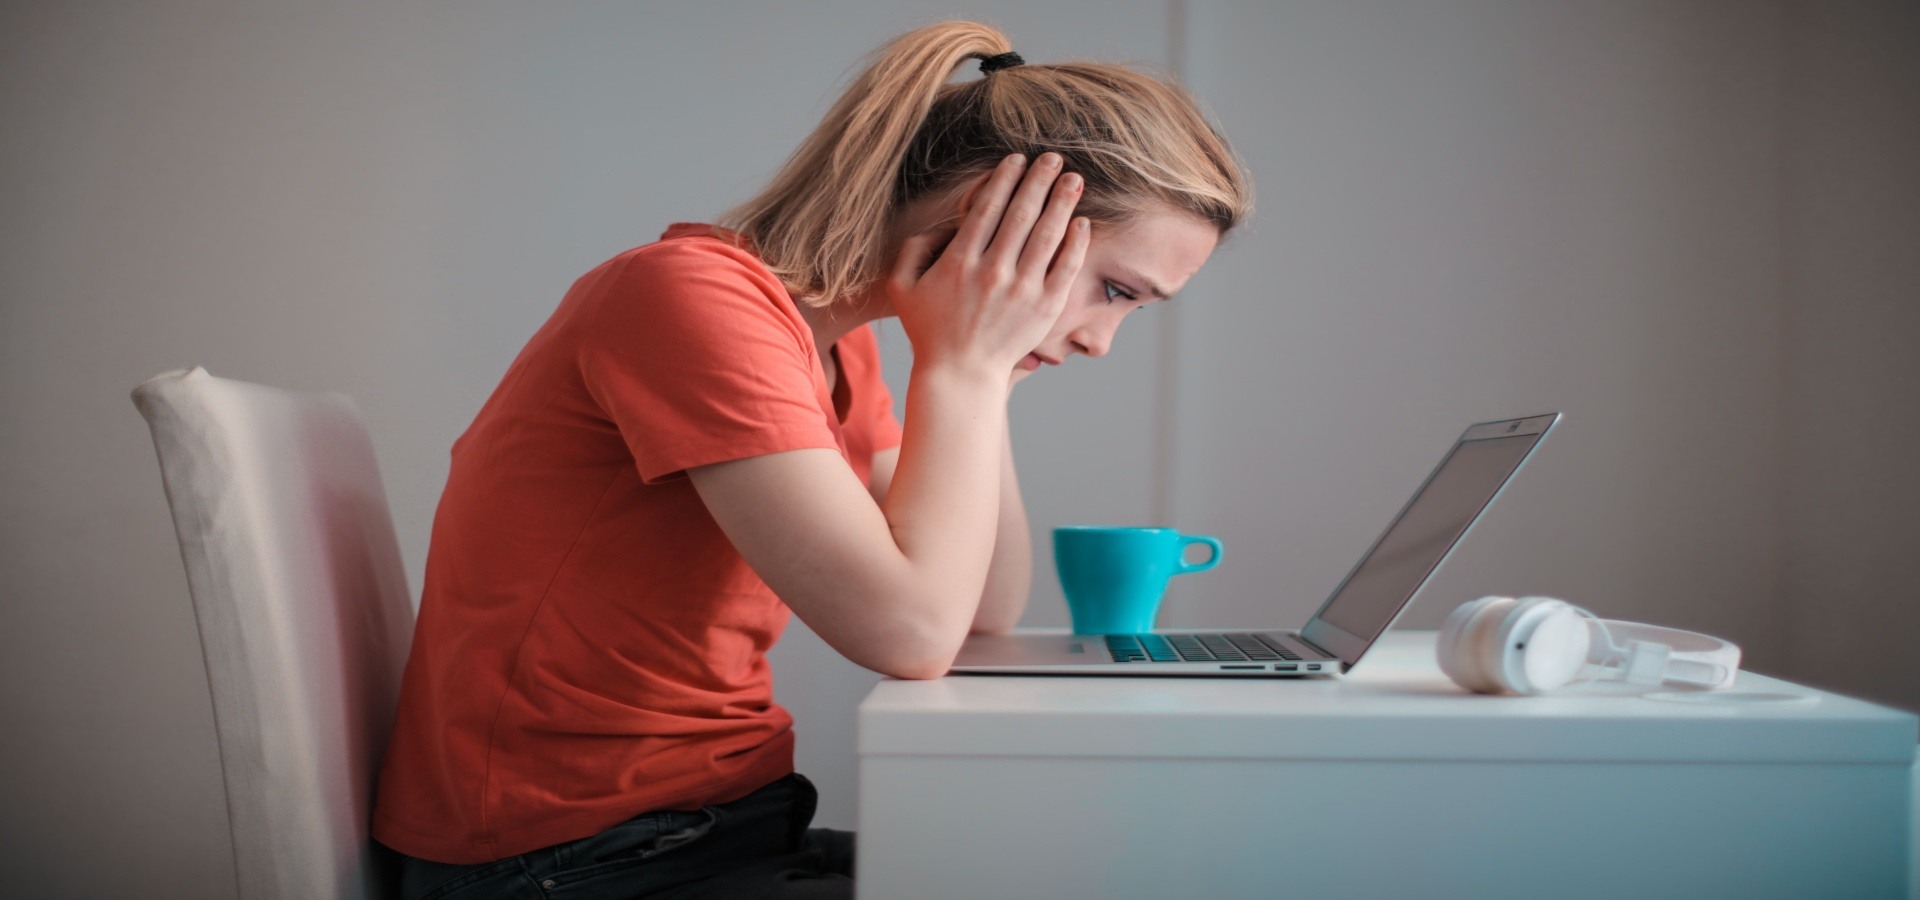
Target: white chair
x,y
304,620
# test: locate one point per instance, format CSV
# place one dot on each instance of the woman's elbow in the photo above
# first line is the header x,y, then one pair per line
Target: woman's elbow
x,y
927,654
912,666
902,640
923,671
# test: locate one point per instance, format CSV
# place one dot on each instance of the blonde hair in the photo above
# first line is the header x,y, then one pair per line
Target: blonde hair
x,y
901,133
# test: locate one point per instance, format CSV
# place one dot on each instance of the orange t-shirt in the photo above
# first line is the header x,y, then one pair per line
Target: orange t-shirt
x,y
590,646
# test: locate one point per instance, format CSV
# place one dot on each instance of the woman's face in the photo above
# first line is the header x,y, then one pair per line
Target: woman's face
x,y
1125,269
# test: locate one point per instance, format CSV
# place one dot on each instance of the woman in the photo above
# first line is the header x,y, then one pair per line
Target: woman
x,y
698,441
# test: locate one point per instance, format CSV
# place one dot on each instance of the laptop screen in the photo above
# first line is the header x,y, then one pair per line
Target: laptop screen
x,y
1427,529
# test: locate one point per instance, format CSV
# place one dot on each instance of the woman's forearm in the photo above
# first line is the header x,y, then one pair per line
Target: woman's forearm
x,y
943,506
1010,577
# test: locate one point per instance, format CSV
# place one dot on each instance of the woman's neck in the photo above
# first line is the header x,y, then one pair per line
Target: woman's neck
x,y
832,322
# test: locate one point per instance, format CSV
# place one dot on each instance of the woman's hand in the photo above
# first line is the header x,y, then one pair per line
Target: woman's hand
x,y
999,285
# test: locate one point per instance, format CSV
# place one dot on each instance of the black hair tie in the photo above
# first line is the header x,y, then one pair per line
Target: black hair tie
x,y
1005,60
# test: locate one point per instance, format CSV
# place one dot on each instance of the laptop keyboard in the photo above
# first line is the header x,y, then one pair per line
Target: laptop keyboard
x,y
1196,648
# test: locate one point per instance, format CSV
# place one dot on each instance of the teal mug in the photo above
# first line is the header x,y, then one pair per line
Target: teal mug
x,y
1114,577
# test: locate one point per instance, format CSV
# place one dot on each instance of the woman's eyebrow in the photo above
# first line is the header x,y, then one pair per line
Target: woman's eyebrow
x,y
1146,284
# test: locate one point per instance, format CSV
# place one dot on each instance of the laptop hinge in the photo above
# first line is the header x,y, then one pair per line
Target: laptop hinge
x,y
1316,647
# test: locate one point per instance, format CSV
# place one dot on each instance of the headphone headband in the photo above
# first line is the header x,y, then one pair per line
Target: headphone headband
x,y
1692,658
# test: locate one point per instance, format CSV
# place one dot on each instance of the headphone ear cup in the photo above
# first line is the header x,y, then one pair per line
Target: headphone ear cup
x,y
1463,638
1554,650
1532,647
1487,644
1447,647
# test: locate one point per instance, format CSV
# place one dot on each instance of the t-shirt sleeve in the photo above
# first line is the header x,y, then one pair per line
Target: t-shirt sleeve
x,y
695,355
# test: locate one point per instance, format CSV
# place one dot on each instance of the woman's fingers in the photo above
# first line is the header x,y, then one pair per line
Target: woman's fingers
x,y
987,203
1044,240
1073,252
1010,239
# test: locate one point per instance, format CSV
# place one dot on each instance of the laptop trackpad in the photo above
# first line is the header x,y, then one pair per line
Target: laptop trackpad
x,y
1028,649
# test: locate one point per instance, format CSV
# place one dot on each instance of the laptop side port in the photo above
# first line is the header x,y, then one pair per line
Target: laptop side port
x,y
1254,668
1287,667
1313,667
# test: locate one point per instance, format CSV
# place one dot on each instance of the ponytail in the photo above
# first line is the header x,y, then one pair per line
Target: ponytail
x,y
821,225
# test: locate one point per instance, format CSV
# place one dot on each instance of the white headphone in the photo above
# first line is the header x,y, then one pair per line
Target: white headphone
x,y
1535,644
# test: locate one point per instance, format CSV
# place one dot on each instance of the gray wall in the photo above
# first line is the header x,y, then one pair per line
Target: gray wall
x,y
1852,412
1683,224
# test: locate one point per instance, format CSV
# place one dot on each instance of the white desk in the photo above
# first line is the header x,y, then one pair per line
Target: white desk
x,y
1390,783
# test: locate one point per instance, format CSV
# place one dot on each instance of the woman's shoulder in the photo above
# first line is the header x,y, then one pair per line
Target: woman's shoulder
x,y
697,245
704,268
692,256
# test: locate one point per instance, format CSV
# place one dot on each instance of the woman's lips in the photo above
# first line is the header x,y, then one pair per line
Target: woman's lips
x,y
1034,360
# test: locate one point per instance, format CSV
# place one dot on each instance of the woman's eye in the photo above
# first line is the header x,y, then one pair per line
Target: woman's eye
x,y
1114,290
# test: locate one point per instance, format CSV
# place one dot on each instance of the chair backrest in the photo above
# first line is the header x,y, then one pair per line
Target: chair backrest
x,y
304,619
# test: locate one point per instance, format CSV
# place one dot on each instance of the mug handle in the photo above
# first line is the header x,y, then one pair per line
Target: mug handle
x,y
1187,540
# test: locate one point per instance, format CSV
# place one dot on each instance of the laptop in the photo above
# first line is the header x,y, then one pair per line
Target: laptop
x,y
1367,601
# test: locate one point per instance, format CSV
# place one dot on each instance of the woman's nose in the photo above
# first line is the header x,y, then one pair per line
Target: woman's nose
x,y
1095,338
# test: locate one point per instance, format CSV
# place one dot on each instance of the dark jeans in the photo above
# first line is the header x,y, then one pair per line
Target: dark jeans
x,y
758,846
